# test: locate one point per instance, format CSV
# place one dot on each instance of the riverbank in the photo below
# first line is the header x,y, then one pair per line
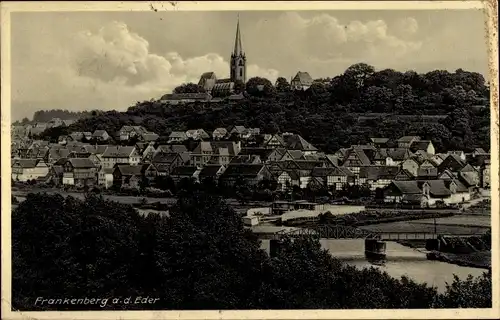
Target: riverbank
x,y
481,259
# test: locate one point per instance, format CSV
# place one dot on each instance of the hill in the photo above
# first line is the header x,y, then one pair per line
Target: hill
x,y
437,105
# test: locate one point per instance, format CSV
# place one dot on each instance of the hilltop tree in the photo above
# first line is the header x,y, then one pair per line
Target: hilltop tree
x,y
189,88
282,85
260,87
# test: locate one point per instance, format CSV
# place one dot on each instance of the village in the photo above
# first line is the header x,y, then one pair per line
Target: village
x,y
406,171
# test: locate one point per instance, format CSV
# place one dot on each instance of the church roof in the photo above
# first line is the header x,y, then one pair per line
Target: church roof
x,y
208,75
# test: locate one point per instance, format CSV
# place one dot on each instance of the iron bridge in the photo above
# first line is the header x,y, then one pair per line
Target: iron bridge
x,y
328,232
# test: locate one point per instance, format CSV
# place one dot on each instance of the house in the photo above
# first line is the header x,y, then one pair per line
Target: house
x,y
273,141
171,148
55,175
407,141
478,151
188,97
105,177
453,162
148,137
164,163
101,135
129,132
238,131
403,192
121,155
335,177
379,142
412,165
211,171
202,154
252,174
220,156
87,135
55,122
79,172
296,142
184,172
177,136
127,176
377,176
425,172
424,145
395,156
197,134
301,81
246,158
485,174
458,153
438,158
147,152
29,169
76,136
233,147
219,133
55,153
355,159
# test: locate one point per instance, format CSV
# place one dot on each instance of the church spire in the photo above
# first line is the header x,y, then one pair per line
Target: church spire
x,y
238,49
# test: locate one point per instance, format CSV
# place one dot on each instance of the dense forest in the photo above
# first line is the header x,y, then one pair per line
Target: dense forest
x,y
198,257
451,108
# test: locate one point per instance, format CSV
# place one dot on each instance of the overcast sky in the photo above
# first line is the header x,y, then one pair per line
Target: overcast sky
x,y
88,60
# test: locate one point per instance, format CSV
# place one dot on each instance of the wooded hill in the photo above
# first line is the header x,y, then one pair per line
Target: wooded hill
x,y
452,109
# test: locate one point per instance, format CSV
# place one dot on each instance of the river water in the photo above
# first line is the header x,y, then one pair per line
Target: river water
x,y
401,261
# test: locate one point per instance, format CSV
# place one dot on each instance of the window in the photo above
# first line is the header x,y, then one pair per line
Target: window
x,y
240,63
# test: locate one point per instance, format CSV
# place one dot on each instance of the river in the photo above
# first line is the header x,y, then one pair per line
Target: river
x,y
401,261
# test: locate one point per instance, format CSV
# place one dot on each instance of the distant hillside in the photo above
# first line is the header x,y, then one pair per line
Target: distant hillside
x,y
330,114
47,115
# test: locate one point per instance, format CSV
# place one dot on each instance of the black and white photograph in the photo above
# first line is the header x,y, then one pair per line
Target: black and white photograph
x,y
249,157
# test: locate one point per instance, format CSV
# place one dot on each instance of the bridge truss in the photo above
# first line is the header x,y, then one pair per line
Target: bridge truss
x,y
328,232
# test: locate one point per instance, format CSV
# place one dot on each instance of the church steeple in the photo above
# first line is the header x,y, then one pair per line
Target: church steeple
x,y
238,49
238,58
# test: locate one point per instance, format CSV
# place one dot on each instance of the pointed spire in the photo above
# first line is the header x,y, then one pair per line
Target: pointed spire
x,y
238,49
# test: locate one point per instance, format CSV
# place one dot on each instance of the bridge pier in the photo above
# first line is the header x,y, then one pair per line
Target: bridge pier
x,y
375,249
432,244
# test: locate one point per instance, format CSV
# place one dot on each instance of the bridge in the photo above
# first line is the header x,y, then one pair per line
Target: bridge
x,y
349,232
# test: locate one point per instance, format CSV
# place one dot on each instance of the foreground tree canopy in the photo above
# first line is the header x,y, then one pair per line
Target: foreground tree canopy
x,y
449,108
198,257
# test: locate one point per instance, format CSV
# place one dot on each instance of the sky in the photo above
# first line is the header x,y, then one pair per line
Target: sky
x,y
111,60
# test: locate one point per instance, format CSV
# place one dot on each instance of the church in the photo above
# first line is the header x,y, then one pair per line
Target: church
x,y
238,71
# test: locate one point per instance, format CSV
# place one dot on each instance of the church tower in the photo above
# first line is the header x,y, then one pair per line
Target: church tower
x,y
238,59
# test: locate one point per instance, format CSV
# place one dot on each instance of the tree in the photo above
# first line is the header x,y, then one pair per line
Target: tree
x,y
189,88
239,86
282,85
260,87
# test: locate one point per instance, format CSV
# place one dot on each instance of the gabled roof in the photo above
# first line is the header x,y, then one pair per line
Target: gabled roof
x,y
379,140
420,145
150,136
128,170
203,146
99,133
452,162
81,163
407,187
172,148
210,170
244,170
178,134
25,163
427,172
398,154
361,156
437,187
304,78
118,152
408,139
230,145
296,142
378,172
468,178
166,158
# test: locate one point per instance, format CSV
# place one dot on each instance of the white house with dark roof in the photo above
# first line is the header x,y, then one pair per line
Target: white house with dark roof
x,y
120,154
301,81
28,169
